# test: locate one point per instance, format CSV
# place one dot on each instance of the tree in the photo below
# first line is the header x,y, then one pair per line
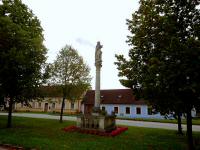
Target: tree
x,y
77,90
22,53
164,63
70,73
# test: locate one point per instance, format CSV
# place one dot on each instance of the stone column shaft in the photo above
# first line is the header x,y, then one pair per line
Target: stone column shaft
x,y
97,87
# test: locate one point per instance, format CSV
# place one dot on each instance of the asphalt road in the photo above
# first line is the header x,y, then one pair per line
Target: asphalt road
x,y
169,126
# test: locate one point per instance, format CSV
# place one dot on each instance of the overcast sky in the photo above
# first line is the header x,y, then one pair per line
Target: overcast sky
x,y
81,23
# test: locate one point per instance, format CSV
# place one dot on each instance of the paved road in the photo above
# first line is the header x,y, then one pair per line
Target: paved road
x,y
119,122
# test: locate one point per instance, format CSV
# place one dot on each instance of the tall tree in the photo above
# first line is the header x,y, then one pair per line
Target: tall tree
x,y
22,53
164,60
71,73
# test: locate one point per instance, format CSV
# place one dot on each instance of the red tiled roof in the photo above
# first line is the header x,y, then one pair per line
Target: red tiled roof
x,y
51,91
113,96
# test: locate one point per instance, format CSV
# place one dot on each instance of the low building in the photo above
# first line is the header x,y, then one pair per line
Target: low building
x,y
120,101
51,102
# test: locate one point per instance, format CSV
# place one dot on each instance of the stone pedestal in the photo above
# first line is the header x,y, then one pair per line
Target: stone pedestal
x,y
107,123
100,123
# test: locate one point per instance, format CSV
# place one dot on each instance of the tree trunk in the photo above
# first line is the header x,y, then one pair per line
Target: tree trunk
x,y
189,130
179,124
9,123
61,111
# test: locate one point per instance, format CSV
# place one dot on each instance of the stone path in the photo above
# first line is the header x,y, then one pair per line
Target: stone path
x,y
169,126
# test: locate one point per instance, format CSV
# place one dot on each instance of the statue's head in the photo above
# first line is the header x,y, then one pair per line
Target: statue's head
x,y
99,45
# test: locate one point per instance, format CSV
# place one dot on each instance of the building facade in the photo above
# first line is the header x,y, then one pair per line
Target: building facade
x,y
51,102
120,101
123,103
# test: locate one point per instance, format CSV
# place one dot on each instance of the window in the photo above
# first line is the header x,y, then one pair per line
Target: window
x,y
149,111
103,108
72,105
116,110
53,105
127,110
119,96
46,107
138,110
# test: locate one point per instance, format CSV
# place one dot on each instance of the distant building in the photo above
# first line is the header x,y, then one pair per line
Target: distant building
x,y
122,102
51,102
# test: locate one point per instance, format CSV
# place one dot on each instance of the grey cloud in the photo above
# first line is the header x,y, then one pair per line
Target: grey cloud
x,y
84,42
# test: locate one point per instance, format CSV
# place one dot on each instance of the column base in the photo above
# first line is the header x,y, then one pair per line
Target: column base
x,y
93,122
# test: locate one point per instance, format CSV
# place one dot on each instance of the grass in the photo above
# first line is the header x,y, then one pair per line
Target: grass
x,y
44,134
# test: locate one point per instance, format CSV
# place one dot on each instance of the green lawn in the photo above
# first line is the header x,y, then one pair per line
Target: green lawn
x,y
44,134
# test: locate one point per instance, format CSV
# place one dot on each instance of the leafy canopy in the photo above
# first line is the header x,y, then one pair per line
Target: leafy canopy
x,y
164,64
22,53
71,73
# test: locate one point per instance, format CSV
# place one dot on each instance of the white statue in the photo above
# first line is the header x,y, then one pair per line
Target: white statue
x,y
98,53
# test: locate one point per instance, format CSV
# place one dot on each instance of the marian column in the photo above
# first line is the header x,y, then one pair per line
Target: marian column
x,y
98,64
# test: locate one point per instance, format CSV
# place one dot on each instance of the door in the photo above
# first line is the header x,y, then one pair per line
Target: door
x,y
46,107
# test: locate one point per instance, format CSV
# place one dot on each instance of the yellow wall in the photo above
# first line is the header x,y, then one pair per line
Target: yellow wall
x,y
50,104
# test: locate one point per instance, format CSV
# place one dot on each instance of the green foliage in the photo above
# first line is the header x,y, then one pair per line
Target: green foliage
x,y
164,65
164,62
71,73
22,53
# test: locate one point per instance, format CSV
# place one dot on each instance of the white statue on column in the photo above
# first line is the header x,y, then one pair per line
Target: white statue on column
x,y
98,64
98,54
97,121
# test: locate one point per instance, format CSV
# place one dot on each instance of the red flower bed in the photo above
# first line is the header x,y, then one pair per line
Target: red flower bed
x,y
70,128
118,130
113,133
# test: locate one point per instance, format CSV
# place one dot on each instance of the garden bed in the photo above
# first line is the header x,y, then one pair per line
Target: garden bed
x,y
113,133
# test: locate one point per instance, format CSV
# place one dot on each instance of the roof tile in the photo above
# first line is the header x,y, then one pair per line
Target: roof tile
x,y
113,96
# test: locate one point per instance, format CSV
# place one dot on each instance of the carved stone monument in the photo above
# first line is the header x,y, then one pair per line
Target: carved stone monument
x,y
98,64
97,120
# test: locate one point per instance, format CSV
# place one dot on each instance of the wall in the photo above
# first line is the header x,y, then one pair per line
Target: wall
x,y
49,105
122,111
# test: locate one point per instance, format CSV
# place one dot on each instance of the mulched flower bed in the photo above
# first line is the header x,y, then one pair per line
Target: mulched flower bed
x,y
113,133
